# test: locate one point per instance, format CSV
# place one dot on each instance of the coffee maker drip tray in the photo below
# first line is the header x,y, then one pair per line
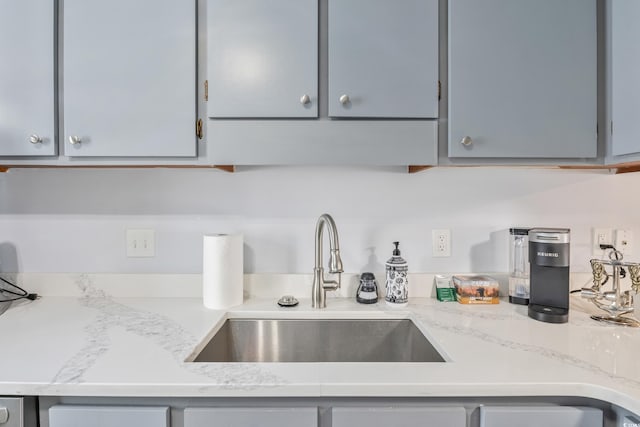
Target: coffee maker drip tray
x,y
548,314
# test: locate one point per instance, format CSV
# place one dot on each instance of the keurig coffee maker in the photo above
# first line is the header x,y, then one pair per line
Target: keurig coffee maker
x,y
549,278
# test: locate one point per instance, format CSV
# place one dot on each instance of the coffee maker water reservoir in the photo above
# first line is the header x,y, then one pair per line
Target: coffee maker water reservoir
x,y
519,266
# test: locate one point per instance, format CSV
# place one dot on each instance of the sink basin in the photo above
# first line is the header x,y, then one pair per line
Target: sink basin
x,y
318,340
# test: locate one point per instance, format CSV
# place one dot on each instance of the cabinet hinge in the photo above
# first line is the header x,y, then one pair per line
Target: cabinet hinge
x,y
199,132
206,90
439,90
611,127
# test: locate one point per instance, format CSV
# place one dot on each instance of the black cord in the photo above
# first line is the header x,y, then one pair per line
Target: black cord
x,y
616,253
18,294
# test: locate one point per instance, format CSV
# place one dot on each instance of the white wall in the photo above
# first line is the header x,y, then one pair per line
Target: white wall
x,y
67,220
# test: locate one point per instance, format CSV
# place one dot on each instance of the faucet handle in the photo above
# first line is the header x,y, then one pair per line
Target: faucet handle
x,y
331,285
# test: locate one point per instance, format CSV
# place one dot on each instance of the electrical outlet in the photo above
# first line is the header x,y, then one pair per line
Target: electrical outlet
x,y
441,242
601,236
141,243
623,240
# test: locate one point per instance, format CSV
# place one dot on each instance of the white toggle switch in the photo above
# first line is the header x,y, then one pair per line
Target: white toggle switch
x,y
141,243
4,415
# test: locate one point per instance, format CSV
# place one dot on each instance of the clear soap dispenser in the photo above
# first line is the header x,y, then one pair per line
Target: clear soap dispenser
x,y
397,294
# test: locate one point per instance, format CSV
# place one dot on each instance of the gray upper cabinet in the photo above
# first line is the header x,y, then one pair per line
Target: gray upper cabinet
x,y
27,99
262,58
522,79
625,77
129,78
277,69
383,58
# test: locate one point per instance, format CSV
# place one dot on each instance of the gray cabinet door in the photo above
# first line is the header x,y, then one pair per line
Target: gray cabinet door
x,y
27,78
262,58
250,417
625,79
383,58
108,416
399,417
323,142
526,416
522,78
129,72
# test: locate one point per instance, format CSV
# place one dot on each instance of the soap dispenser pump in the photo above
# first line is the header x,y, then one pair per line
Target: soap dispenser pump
x,y
397,294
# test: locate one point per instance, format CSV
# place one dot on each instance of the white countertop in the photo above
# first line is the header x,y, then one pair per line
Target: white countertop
x,y
98,345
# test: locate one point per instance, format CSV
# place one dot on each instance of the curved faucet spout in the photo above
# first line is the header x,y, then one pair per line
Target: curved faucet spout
x,y
335,263
320,285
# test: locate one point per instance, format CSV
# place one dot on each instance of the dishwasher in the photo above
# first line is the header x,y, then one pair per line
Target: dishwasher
x,y
18,412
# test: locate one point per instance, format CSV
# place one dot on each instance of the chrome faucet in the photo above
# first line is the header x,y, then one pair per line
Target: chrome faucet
x,y
320,285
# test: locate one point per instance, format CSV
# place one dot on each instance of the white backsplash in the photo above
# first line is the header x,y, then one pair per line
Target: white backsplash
x,y
62,220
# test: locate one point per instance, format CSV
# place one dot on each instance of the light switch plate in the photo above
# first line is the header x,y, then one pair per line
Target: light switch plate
x,y
141,243
623,240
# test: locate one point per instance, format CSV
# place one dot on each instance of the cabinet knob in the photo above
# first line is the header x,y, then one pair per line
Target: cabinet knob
x,y
466,141
344,99
35,139
304,100
75,140
4,415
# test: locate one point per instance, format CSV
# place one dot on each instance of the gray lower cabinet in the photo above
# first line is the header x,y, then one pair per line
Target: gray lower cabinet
x,y
129,78
262,58
383,58
324,412
18,412
522,79
251,417
399,417
108,416
27,100
534,416
625,77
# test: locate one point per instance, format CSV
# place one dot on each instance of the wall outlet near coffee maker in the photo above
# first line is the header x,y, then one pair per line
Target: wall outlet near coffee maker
x,y
621,239
600,236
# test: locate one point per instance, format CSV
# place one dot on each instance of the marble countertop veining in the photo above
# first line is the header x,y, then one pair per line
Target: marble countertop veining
x,y
99,345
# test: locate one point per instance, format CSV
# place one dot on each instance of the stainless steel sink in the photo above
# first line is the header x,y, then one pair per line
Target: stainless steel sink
x,y
318,340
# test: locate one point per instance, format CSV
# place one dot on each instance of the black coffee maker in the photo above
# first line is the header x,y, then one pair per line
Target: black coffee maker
x,y
549,274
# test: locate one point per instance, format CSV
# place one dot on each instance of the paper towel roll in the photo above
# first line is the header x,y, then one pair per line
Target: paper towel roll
x,y
222,270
